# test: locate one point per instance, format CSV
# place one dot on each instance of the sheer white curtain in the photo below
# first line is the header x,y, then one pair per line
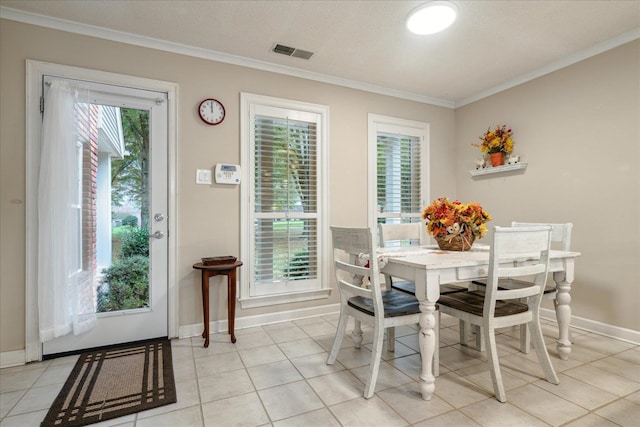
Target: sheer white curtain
x,y
65,289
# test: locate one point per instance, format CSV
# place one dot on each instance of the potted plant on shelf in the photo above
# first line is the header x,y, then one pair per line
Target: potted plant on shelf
x,y
455,225
496,143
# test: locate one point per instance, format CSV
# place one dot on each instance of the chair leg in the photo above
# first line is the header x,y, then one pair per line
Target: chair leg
x,y
356,334
494,364
337,342
463,332
391,339
477,330
376,355
436,352
525,339
541,351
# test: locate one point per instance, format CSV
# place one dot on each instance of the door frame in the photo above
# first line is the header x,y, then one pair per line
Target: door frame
x,y
35,70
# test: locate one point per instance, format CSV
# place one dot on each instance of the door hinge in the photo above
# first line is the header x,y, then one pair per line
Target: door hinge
x,y
42,104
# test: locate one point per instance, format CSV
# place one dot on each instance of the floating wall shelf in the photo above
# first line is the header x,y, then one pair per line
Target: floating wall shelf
x,y
498,169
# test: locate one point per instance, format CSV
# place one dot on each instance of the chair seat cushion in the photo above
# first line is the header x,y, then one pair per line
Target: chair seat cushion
x,y
514,284
395,304
473,302
410,288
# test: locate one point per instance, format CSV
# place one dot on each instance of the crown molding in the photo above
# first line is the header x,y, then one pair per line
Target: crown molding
x,y
211,55
623,38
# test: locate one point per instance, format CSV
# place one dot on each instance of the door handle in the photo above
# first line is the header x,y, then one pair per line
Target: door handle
x,y
158,234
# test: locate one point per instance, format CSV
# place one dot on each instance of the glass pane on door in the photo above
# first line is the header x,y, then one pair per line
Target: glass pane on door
x,y
122,225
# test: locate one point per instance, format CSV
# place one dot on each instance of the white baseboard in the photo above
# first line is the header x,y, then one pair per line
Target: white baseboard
x,y
589,325
12,358
259,320
15,358
623,334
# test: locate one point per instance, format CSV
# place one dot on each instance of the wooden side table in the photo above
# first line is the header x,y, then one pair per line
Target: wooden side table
x,y
209,271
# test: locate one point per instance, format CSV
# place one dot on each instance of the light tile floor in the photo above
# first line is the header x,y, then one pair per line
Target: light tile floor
x,y
276,375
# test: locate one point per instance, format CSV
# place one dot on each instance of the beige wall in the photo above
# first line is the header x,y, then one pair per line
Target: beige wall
x,y
208,217
579,131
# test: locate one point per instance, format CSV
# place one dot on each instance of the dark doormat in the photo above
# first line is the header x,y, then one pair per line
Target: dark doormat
x,y
113,382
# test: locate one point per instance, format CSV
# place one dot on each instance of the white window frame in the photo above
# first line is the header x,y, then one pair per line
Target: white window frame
x,y
393,125
249,296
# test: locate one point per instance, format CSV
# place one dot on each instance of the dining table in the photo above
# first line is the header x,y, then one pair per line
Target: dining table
x,y
429,267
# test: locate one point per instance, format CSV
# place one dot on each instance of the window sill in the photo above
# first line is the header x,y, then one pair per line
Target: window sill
x,y
288,298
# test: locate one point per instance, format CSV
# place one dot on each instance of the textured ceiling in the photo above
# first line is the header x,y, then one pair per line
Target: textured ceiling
x,y
491,44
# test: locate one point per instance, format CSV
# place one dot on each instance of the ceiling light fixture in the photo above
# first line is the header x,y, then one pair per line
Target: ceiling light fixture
x,y
431,17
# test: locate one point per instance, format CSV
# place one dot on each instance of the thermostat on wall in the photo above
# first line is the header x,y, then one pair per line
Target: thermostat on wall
x,y
227,174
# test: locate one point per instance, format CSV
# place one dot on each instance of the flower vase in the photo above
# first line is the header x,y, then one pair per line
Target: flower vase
x,y
497,159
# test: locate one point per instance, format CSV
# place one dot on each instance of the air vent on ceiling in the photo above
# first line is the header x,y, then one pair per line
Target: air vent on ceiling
x,y
292,51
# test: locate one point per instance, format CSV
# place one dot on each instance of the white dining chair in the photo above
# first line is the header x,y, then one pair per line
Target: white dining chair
x,y
370,305
560,239
497,308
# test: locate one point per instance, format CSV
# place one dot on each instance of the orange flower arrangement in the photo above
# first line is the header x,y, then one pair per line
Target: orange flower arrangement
x,y
445,217
496,141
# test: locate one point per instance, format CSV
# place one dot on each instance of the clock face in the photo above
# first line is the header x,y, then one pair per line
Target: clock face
x,y
211,111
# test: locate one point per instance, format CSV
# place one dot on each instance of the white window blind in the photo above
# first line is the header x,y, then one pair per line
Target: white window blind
x,y
286,207
399,186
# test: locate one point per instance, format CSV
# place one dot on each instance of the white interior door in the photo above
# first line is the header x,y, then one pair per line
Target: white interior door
x,y
124,215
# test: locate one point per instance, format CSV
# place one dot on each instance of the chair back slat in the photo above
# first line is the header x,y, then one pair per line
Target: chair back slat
x,y
521,241
516,294
354,290
523,292
357,270
560,233
351,240
522,270
400,232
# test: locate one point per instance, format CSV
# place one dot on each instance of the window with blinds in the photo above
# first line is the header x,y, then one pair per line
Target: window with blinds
x,y
399,187
400,165
284,237
286,208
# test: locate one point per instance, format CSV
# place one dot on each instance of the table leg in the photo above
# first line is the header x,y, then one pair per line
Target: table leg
x,y
231,303
563,313
427,341
205,307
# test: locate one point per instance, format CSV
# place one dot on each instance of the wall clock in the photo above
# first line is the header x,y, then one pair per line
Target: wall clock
x,y
211,111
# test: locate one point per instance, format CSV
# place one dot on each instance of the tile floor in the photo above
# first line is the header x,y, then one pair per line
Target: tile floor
x,y
276,375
